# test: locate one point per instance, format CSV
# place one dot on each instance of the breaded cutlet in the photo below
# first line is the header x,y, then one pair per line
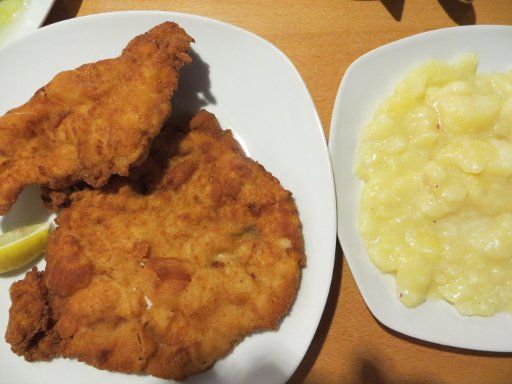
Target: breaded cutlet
x,y
94,121
165,272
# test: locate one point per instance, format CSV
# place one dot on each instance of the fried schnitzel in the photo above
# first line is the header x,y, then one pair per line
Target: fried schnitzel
x,y
165,272
95,121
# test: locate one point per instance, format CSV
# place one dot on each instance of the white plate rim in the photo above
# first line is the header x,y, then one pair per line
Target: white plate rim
x,y
344,223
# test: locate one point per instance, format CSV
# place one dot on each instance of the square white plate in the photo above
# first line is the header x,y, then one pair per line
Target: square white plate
x,y
253,89
29,19
367,83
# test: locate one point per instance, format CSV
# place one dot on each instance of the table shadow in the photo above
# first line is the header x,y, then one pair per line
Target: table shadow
x,y
63,10
325,322
394,7
370,372
459,12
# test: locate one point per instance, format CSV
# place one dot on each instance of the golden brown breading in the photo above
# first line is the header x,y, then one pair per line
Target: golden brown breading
x,y
165,273
94,121
30,304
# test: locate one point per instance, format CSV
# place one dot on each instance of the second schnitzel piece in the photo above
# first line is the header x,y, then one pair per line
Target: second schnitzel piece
x,y
164,273
95,121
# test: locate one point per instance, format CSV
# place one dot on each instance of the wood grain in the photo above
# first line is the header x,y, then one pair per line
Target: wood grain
x,y
322,38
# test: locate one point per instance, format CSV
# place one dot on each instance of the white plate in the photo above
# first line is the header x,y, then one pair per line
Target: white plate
x,y
367,82
254,90
29,19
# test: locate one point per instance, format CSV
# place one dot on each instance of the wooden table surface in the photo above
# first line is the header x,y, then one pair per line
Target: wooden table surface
x,y
322,37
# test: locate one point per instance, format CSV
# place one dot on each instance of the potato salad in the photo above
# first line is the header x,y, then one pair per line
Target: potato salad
x,y
436,209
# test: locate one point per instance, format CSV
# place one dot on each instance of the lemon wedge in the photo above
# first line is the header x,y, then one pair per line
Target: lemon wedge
x,y
22,245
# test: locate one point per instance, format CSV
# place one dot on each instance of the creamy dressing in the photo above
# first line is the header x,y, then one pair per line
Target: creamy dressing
x,y
9,9
437,203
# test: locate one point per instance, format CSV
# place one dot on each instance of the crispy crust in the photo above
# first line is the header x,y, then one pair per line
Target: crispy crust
x,y
95,121
165,273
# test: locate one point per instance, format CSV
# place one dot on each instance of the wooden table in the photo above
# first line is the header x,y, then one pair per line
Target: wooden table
x,y
322,37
